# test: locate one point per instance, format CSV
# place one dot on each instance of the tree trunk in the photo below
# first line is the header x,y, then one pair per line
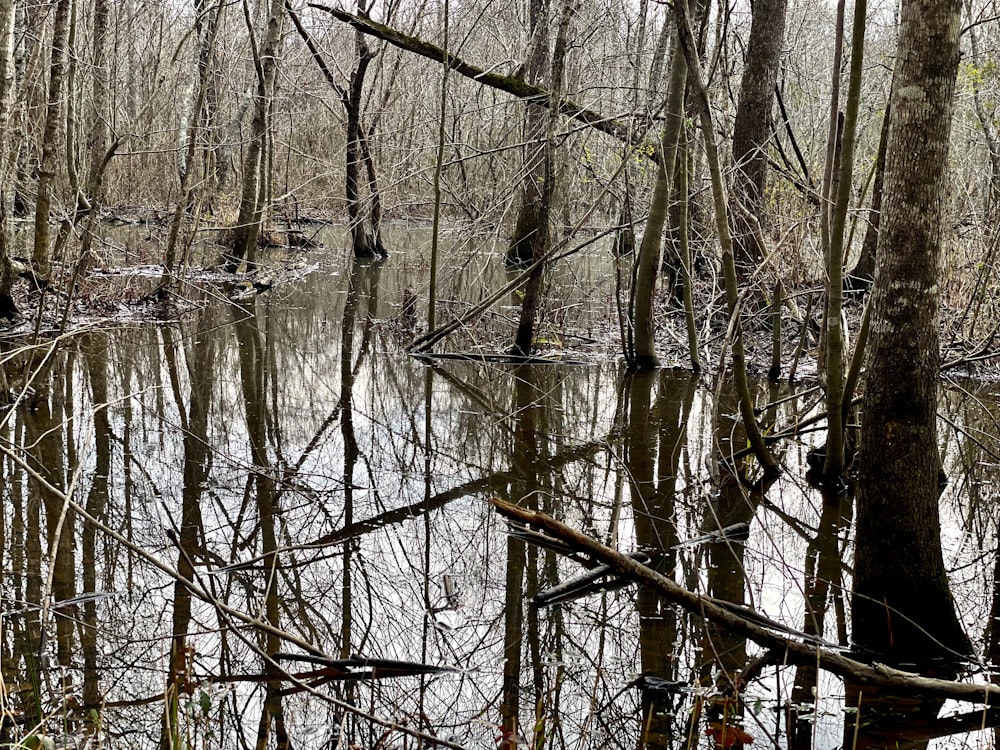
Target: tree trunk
x,y
902,606
8,14
531,238
364,238
51,143
752,130
365,223
530,235
863,273
251,202
89,194
643,356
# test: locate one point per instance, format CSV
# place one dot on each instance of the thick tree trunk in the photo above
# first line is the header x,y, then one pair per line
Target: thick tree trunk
x,y
752,129
902,606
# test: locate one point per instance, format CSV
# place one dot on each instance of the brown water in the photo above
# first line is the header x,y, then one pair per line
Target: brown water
x,y
319,489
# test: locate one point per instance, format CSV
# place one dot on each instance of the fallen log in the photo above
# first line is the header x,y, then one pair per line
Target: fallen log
x,y
788,645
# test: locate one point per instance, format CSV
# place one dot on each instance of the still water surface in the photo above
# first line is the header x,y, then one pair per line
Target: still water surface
x,y
324,493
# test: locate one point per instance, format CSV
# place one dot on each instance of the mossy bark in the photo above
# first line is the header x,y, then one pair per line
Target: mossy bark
x,y
902,606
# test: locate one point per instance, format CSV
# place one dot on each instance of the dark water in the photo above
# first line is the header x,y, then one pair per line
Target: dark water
x,y
319,489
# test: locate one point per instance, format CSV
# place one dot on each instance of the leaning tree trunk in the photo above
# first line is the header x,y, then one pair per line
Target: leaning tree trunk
x,y
902,606
752,130
41,253
252,198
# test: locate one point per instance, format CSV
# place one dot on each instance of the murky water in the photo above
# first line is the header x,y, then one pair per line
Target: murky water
x,y
275,479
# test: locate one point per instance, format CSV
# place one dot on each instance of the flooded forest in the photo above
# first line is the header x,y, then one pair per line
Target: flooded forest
x,y
499,374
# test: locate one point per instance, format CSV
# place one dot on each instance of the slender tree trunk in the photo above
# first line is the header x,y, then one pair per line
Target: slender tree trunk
x,y
364,222
89,196
537,199
902,606
836,336
51,143
530,239
251,205
863,273
364,238
8,14
741,381
209,32
647,263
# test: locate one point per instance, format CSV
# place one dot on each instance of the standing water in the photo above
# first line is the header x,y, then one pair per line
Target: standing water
x,y
267,525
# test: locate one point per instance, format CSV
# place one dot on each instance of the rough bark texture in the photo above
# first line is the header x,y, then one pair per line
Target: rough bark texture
x,y
902,606
97,141
531,239
753,127
364,238
51,142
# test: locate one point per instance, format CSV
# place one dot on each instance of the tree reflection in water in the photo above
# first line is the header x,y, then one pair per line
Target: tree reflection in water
x,y
335,493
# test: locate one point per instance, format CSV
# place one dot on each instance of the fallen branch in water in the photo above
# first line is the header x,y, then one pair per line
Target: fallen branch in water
x,y
788,645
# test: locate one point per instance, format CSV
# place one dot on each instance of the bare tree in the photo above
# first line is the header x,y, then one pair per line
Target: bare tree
x,y
8,15
52,142
254,197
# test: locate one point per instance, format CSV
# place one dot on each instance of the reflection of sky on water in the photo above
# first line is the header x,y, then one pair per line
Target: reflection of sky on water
x,y
592,646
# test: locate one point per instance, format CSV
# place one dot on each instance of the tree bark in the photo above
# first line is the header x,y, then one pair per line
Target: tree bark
x,y
8,14
364,222
51,142
251,202
863,273
902,606
647,264
364,239
531,229
753,127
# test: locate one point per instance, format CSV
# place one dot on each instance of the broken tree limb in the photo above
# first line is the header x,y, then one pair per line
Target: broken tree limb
x,y
512,85
767,633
